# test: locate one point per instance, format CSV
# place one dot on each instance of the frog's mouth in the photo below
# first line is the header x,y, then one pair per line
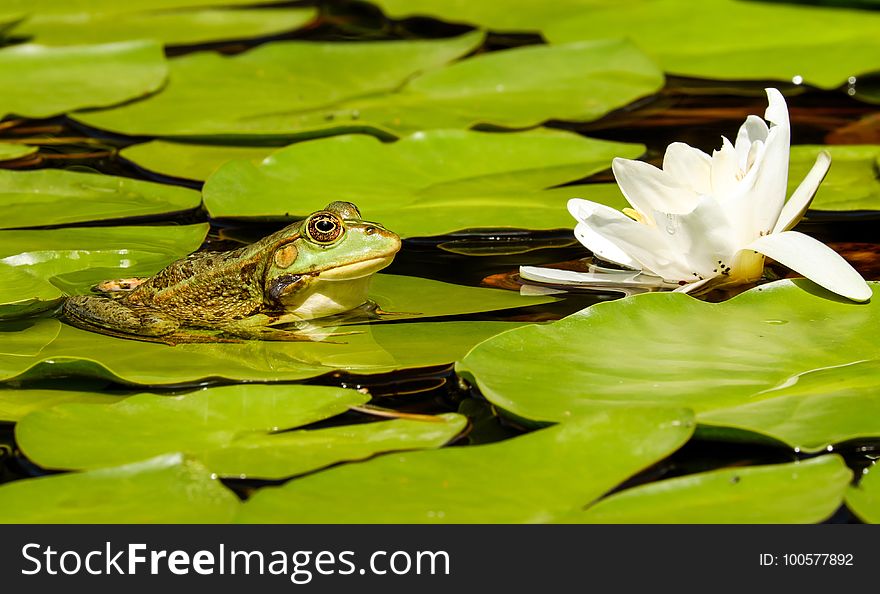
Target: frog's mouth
x,y
356,269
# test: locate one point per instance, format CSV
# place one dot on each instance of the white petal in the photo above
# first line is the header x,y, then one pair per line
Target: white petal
x,y
703,237
724,171
609,279
648,189
801,198
607,249
771,183
814,260
688,166
616,238
777,110
754,129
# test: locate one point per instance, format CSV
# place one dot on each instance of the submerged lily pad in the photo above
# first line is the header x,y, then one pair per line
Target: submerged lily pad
x,y
852,182
85,436
531,478
179,25
375,348
35,266
40,82
297,452
795,493
717,39
10,151
297,90
668,348
16,403
864,499
428,183
164,490
54,197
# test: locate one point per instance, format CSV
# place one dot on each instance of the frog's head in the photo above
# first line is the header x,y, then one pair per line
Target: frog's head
x,y
334,245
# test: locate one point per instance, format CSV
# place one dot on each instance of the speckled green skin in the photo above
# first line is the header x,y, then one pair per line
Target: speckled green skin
x,y
287,277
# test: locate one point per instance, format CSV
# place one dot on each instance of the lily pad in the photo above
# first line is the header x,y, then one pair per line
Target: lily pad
x,y
55,197
508,481
258,93
26,338
864,499
852,182
24,294
795,493
16,403
86,436
428,183
164,490
718,39
40,81
291,453
668,348
36,266
172,27
297,90
11,151
375,348
190,161
812,411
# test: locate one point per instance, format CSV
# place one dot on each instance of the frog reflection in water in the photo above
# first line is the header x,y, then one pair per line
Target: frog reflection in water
x,y
317,267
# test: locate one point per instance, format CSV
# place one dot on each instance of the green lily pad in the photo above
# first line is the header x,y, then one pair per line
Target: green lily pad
x,y
171,27
291,453
297,90
16,403
812,411
40,81
256,93
428,183
851,183
531,478
795,493
164,490
24,294
668,348
36,266
86,436
11,151
864,499
47,197
717,39
190,161
26,338
375,348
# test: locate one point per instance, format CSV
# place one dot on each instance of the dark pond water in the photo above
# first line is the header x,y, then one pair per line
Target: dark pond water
x,y
693,111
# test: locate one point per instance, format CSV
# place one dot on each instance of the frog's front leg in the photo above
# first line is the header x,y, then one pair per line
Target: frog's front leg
x,y
114,315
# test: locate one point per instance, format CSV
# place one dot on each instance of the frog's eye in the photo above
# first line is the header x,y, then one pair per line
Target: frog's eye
x,y
324,228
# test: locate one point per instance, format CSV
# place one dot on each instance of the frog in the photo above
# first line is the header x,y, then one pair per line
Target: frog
x,y
318,267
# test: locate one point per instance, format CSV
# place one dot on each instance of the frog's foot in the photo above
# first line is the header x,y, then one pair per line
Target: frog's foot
x,y
96,313
119,285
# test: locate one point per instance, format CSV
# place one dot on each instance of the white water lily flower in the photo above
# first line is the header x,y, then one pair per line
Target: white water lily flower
x,y
702,222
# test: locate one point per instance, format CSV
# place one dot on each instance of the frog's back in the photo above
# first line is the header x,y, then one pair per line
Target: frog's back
x,y
205,286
